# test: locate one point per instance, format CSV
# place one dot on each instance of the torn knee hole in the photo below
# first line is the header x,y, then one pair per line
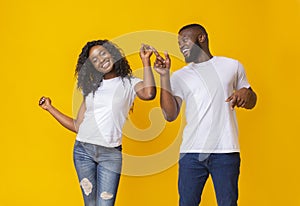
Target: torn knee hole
x,y
86,186
106,195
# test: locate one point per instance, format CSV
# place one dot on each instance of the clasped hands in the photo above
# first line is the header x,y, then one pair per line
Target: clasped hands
x,y
161,64
239,98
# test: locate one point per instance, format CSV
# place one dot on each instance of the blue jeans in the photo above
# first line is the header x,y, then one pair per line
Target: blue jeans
x,y
195,168
98,169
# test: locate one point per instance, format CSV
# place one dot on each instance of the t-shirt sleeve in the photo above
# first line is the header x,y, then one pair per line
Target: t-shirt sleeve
x,y
176,86
241,80
134,81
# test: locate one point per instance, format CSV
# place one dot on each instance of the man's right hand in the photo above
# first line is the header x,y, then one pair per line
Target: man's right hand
x,y
161,65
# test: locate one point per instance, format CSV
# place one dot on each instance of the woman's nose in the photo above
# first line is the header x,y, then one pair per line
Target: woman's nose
x,y
100,59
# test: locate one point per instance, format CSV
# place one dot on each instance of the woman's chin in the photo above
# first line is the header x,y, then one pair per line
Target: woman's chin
x,y
106,70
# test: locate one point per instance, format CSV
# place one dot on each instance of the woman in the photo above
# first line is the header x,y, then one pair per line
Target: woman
x,y
108,87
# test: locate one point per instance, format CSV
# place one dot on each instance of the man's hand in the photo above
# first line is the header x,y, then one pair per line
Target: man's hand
x,y
161,65
244,98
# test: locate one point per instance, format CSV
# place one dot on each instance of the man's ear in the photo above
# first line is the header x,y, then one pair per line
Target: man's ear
x,y
201,38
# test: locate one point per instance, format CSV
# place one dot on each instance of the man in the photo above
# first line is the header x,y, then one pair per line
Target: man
x,y
211,87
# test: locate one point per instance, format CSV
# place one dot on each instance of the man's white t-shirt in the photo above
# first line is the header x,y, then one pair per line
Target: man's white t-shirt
x,y
106,112
211,124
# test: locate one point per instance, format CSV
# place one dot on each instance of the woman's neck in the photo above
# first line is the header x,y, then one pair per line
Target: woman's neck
x,y
110,75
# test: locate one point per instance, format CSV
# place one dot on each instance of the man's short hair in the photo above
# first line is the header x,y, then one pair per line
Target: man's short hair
x,y
197,26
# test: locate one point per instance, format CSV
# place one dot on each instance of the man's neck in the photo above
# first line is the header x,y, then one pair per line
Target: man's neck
x,y
204,57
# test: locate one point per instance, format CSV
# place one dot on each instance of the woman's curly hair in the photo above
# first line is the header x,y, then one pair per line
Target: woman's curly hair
x,y
88,78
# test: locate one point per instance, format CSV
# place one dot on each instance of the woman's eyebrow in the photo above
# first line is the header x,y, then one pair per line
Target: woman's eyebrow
x,y
95,52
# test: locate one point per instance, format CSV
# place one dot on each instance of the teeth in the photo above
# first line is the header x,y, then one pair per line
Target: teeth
x,y
185,52
105,65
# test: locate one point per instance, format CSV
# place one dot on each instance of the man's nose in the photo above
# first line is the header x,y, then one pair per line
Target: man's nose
x,y
181,44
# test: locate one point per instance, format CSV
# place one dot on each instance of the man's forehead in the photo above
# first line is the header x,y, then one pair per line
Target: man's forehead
x,y
189,32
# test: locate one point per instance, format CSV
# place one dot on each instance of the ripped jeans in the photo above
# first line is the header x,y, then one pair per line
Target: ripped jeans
x,y
98,169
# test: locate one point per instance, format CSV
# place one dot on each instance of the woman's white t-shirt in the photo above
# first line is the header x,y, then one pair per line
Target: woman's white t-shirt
x,y
106,112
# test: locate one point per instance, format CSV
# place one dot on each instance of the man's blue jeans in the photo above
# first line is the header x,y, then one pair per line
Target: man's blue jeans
x,y
195,168
98,169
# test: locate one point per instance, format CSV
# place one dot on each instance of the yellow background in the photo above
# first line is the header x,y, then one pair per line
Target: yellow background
x,y
40,42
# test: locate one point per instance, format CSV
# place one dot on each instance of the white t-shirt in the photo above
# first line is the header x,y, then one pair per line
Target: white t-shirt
x,y
211,125
106,112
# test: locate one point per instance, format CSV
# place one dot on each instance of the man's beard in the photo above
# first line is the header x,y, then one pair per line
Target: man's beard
x,y
195,52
